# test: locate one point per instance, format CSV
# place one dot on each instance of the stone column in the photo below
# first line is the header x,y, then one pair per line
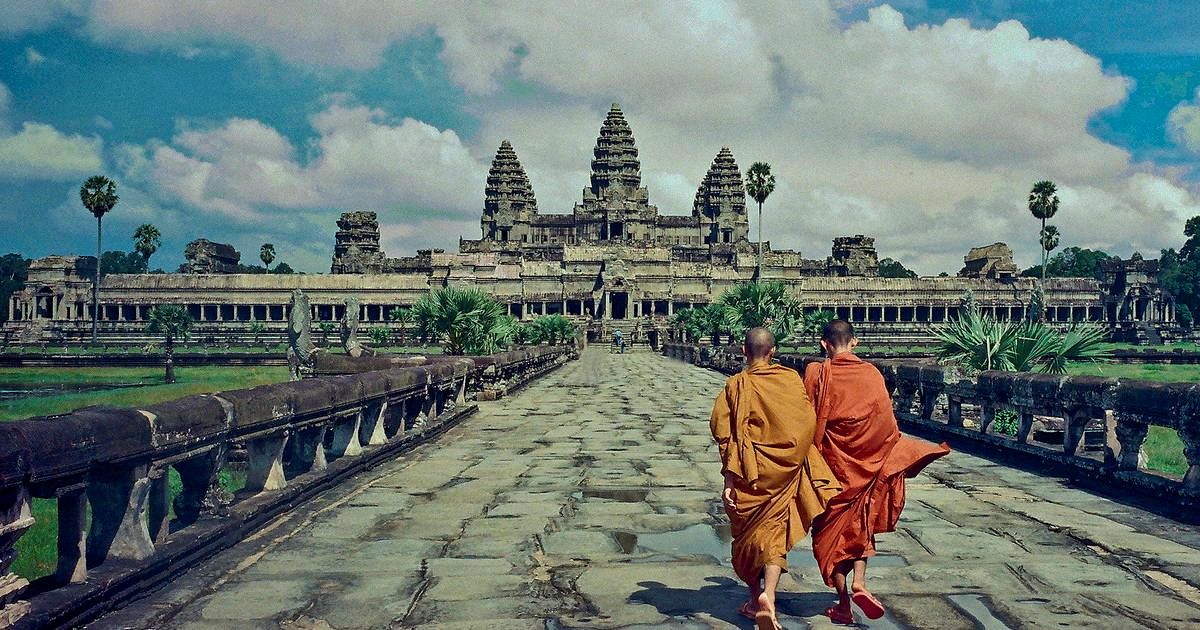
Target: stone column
x,y
264,469
607,305
118,497
72,537
345,436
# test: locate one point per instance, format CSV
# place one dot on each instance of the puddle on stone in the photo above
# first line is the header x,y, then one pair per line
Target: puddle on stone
x,y
972,604
620,495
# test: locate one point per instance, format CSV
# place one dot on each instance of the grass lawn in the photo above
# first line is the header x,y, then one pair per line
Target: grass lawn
x,y
1164,449
190,380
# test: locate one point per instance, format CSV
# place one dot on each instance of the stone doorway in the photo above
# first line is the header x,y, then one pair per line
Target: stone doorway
x,y
620,306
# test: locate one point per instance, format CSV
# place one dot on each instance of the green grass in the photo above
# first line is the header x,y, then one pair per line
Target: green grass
x,y
190,380
37,550
1187,345
1162,373
1164,449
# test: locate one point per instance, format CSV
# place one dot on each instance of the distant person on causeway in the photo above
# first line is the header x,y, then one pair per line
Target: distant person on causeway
x,y
857,434
776,482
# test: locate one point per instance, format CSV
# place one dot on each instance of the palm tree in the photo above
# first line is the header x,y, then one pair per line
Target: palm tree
x,y
173,323
1043,204
266,253
767,305
978,342
760,183
468,320
402,316
146,241
99,195
1049,241
552,329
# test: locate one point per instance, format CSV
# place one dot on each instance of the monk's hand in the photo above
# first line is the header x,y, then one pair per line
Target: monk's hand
x,y
727,496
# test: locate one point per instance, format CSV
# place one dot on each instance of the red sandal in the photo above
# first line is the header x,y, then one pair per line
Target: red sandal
x,y
867,603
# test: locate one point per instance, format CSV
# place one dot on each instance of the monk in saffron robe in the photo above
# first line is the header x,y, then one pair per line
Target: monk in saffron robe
x,y
775,481
858,436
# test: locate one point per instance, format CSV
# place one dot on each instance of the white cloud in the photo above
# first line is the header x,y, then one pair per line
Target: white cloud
x,y
40,151
21,16
927,137
1183,124
33,57
248,171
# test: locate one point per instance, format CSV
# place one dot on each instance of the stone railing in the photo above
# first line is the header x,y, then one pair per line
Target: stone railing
x,y
292,440
929,399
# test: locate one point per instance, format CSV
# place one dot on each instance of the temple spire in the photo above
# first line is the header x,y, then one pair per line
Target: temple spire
x,y
615,167
720,202
508,187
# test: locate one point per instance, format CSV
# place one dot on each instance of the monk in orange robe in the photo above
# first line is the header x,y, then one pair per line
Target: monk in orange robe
x,y
775,481
858,436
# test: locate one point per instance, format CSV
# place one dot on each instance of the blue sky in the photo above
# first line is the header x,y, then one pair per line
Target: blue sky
x,y
922,123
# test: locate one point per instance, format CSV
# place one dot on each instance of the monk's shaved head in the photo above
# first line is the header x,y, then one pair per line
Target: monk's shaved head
x,y
759,343
837,333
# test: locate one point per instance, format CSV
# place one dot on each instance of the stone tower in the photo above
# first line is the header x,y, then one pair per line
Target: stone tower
x,y
356,244
508,202
720,204
854,256
616,172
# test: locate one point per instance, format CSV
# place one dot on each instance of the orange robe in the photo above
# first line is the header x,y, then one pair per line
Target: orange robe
x,y
858,436
763,425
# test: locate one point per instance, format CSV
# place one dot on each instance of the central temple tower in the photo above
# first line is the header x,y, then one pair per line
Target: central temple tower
x,y
616,206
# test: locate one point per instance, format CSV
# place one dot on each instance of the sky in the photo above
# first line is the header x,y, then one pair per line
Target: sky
x,y
923,123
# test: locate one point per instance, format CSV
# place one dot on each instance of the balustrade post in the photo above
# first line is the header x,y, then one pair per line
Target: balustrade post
x,y
15,519
929,398
199,477
306,451
1189,433
987,415
264,469
1124,441
1075,423
157,507
954,411
373,431
1025,428
119,497
72,536
345,436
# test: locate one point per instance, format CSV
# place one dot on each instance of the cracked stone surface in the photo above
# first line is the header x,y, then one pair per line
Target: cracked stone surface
x,y
588,500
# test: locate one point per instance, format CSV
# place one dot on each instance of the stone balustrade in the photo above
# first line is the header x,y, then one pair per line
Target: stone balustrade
x,y
929,399
293,440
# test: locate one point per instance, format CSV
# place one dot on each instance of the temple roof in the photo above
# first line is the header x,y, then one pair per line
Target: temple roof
x,y
507,183
616,158
722,189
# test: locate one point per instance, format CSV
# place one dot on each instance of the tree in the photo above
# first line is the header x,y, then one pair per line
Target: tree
x,y
468,321
14,269
402,316
767,305
1043,204
326,328
889,268
1072,262
552,329
814,322
173,323
284,268
146,241
266,253
257,329
1049,241
380,335
977,342
114,261
760,183
99,196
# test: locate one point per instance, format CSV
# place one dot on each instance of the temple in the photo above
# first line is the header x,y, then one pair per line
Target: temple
x,y
614,261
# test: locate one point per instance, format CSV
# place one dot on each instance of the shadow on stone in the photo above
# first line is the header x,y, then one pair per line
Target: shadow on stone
x,y
720,600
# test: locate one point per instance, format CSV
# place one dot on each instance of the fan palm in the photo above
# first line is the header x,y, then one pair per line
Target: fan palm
x,y
767,305
552,329
467,320
146,241
99,196
1043,204
978,342
403,317
1049,240
760,183
266,253
173,323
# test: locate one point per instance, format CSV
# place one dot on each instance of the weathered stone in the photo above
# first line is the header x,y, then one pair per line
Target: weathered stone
x,y
206,257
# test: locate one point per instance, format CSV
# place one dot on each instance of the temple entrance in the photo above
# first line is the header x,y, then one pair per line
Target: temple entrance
x,y
620,306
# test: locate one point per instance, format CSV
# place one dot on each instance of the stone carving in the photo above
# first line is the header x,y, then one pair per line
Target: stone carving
x,y
301,349
205,256
720,204
349,327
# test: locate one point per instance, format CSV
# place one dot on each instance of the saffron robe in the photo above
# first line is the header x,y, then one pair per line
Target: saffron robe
x,y
861,442
763,424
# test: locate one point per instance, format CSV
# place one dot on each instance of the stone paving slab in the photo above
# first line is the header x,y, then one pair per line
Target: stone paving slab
x,y
589,500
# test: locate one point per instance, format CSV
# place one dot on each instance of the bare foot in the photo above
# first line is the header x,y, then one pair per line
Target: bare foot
x,y
764,618
747,609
